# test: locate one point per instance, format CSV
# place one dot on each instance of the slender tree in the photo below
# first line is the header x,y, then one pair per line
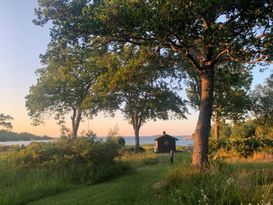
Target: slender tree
x,y
64,86
203,33
136,80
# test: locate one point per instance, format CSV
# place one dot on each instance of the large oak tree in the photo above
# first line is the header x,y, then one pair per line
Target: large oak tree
x,y
203,32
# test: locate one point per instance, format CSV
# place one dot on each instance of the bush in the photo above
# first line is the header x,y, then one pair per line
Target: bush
x,y
240,147
118,140
131,149
84,159
43,169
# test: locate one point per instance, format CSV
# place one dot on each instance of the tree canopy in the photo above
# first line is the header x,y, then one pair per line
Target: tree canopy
x,y
203,33
262,109
231,97
64,86
137,79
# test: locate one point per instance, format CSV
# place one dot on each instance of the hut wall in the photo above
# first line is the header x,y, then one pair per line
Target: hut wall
x,y
165,144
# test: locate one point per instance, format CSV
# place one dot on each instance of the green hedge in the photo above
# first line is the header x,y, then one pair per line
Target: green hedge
x,y
244,147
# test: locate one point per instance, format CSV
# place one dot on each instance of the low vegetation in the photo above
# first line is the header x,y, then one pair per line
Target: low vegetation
x,y
173,184
19,186
221,183
240,147
140,158
43,169
240,172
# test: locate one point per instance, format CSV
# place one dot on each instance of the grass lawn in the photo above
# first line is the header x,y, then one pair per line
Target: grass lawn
x,y
142,186
138,187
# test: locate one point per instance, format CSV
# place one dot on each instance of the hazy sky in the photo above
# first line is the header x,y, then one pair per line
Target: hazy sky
x,y
21,42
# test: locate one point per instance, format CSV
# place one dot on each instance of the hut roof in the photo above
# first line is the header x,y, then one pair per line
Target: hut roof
x,y
165,135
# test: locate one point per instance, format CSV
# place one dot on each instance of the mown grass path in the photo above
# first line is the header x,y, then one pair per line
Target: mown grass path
x,y
134,188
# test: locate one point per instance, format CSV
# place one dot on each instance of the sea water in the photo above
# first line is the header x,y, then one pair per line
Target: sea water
x,y
129,140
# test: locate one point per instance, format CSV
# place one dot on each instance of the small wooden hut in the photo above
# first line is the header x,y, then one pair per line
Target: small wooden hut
x,y
165,143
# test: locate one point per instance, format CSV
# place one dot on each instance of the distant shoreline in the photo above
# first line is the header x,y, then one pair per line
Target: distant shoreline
x,y
27,140
129,140
56,138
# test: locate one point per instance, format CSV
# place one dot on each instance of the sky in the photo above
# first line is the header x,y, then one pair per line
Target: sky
x,y
21,43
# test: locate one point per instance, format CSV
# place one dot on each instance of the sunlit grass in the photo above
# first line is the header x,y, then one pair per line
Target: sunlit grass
x,y
221,183
139,159
19,186
159,183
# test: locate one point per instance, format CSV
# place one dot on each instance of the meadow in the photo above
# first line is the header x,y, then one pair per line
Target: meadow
x,y
147,178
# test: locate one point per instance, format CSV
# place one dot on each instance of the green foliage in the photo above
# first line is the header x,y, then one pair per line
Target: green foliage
x,y
244,147
4,121
24,136
195,28
264,131
43,169
114,136
64,86
131,149
118,140
243,130
20,186
199,34
136,82
150,189
137,188
140,158
86,160
231,99
262,103
224,131
145,156
219,184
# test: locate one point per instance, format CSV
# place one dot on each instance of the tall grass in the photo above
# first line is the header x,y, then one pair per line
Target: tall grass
x,y
44,169
19,186
220,184
139,159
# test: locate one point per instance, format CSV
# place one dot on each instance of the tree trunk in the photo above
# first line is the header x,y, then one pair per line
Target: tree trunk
x,y
136,122
136,139
200,151
216,126
76,119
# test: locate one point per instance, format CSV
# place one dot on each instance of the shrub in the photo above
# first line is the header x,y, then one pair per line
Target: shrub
x,y
118,140
131,149
84,159
241,147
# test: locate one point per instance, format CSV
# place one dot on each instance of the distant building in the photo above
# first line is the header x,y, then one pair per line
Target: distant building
x,y
165,143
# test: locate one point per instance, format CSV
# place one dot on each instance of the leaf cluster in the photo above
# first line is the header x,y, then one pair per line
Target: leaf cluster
x,y
137,82
262,102
215,30
64,84
231,97
4,121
